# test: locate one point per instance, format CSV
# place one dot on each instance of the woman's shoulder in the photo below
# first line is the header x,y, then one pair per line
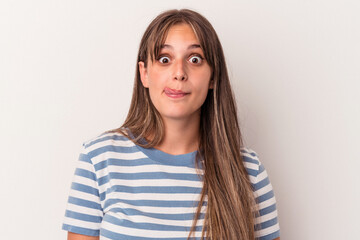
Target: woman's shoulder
x,y
249,156
105,140
251,162
248,152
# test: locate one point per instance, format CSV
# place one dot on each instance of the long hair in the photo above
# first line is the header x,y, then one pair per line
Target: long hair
x,y
230,210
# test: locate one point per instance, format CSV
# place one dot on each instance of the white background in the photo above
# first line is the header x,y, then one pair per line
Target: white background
x,y
67,69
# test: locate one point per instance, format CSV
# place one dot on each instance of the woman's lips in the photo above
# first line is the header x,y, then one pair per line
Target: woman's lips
x,y
173,93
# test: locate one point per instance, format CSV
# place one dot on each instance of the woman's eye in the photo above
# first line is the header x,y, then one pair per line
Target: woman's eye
x,y
196,59
164,59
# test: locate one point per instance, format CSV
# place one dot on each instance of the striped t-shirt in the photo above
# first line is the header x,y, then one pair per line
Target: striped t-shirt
x,y
123,191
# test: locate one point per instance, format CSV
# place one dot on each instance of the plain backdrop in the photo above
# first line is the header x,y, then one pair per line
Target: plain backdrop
x,y
67,70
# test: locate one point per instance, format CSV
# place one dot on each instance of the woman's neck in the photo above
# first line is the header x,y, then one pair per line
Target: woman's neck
x,y
181,136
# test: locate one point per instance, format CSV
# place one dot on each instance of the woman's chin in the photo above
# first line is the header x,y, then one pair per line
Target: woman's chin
x,y
180,115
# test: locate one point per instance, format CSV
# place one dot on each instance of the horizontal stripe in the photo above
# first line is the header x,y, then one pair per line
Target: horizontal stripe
x,y
132,159
263,190
122,162
85,166
84,203
104,137
167,215
85,181
153,203
83,217
148,168
261,176
84,188
148,225
250,159
84,210
108,140
271,236
84,158
80,230
85,173
118,155
81,224
112,149
261,184
149,183
155,189
118,236
146,233
266,217
267,224
266,203
153,175
156,209
252,166
265,197
162,223
248,151
153,197
267,233
267,210
84,195
251,172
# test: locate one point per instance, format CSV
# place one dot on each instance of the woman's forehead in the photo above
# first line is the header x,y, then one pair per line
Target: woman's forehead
x,y
181,33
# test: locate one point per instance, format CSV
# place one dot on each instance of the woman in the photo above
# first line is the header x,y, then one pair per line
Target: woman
x,y
176,169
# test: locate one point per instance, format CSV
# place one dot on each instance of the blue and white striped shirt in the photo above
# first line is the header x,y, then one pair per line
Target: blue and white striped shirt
x,y
123,191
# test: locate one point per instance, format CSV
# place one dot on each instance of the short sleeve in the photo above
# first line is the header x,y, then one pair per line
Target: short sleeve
x,y
84,213
266,223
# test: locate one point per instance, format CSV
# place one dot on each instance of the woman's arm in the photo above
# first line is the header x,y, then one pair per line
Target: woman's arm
x,y
75,236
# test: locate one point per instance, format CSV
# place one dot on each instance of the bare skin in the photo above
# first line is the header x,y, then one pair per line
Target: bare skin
x,y
180,138
75,236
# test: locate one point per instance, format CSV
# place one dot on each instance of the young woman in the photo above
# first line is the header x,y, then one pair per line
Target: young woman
x,y
177,168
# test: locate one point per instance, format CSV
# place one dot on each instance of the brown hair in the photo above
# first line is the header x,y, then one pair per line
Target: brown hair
x,y
230,210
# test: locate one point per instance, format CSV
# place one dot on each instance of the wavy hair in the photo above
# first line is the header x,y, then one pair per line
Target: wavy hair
x,y
230,211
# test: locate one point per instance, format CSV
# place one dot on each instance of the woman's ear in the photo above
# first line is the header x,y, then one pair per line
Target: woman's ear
x,y
143,74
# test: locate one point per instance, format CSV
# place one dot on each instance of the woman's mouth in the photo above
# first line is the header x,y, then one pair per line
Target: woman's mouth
x,y
173,93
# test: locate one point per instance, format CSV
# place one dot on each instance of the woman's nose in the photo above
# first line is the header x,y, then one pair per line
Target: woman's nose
x,y
180,71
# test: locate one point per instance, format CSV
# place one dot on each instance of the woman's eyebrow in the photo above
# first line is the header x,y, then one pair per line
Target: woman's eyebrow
x,y
192,46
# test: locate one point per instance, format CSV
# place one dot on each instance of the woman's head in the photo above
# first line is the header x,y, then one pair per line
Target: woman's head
x,y
178,80
152,45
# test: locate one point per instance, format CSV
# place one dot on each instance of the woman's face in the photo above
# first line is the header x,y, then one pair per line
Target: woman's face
x,y
179,79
